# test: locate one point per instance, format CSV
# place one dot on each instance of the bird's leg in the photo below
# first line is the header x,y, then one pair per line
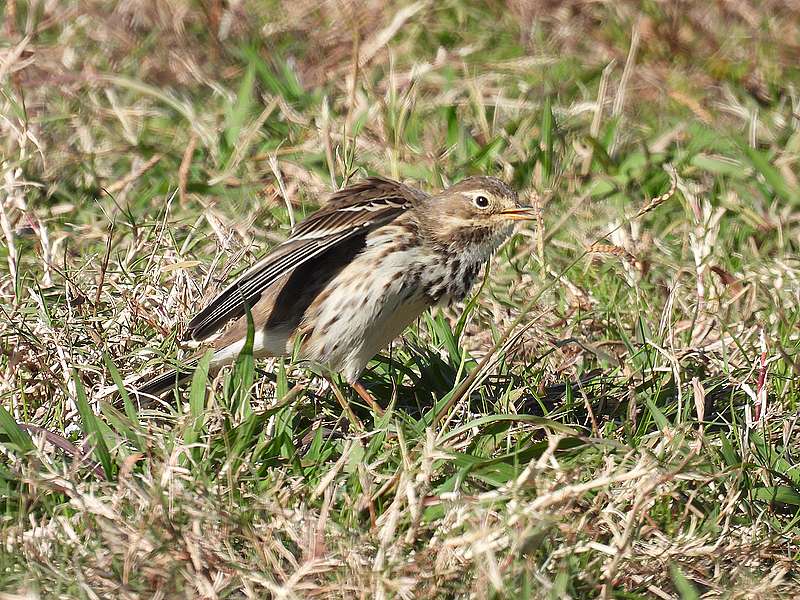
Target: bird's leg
x,y
351,416
367,397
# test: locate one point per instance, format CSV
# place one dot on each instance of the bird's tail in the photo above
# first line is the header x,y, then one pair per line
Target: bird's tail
x,y
159,385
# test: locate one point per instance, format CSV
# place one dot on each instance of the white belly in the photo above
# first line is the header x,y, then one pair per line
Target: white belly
x,y
368,307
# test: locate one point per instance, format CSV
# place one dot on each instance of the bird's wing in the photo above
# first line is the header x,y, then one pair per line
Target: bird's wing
x,y
352,211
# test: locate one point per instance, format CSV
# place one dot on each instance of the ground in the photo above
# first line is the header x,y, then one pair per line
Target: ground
x,y
612,414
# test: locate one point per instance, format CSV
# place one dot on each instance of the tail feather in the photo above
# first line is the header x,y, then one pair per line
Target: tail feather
x,y
165,382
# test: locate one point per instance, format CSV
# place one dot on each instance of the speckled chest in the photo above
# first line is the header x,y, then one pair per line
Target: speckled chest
x,y
436,275
447,279
455,267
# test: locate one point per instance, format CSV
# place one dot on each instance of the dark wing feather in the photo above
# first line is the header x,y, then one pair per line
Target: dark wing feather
x,y
363,206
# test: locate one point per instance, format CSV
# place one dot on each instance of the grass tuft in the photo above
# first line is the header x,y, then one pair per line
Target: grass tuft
x,y
612,414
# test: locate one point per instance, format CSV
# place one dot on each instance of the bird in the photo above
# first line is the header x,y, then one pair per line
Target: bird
x,y
354,274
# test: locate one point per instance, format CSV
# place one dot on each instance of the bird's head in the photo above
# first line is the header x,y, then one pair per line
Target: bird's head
x,y
479,211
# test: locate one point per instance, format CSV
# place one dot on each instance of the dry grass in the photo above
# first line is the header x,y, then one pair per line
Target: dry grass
x,y
613,416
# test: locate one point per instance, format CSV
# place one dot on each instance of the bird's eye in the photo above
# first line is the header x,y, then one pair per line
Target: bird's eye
x,y
481,201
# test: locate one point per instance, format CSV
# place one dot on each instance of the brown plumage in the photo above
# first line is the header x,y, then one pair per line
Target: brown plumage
x,y
357,272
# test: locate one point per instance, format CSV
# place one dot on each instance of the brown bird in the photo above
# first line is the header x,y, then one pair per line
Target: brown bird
x,y
353,275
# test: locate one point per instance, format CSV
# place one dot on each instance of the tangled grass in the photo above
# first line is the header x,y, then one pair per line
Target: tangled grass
x,y
613,414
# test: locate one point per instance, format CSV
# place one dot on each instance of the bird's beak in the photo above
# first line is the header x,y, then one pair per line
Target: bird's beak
x,y
520,213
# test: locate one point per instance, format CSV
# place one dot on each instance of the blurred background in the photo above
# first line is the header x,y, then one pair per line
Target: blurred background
x,y
115,93
150,149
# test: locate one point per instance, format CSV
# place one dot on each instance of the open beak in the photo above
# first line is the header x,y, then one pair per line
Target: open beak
x,y
520,213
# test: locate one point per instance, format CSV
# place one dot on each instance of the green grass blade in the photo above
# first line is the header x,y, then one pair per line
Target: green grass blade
x,y
130,411
243,375
122,425
91,427
197,399
661,421
547,142
682,584
771,175
239,111
782,494
16,435
197,391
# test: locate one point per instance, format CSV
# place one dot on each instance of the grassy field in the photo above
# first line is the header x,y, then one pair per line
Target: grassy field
x,y
612,414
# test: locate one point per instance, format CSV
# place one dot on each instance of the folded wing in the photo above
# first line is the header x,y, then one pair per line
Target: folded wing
x,y
350,212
